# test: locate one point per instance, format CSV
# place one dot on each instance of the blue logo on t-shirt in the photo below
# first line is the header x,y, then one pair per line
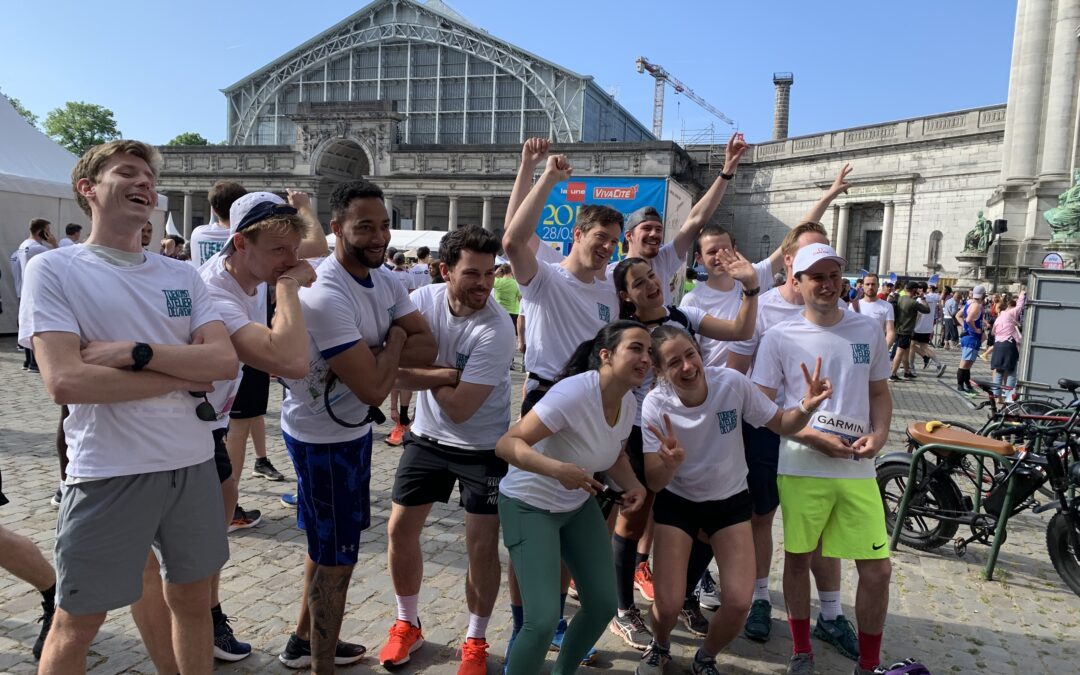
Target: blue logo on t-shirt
x,y
860,352
727,419
462,361
178,302
605,312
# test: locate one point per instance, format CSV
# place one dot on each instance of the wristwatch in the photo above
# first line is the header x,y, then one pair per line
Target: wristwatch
x,y
751,292
141,354
726,176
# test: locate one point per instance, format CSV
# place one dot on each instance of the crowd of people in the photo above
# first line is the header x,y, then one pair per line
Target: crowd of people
x,y
653,439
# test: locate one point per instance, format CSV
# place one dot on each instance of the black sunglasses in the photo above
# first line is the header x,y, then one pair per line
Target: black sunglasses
x,y
205,410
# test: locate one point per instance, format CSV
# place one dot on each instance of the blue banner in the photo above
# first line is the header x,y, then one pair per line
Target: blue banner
x,y
626,195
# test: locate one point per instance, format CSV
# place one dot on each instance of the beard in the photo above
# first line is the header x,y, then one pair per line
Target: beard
x,y
357,254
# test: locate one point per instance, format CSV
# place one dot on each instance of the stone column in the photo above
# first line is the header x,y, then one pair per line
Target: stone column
x,y
485,217
452,223
1060,116
886,240
187,215
418,218
1014,80
835,220
1026,107
315,207
388,200
841,230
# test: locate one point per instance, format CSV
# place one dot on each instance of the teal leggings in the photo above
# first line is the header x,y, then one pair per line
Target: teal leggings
x,y
537,540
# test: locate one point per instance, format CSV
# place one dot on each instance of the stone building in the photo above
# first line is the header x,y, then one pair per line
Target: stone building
x,y
434,109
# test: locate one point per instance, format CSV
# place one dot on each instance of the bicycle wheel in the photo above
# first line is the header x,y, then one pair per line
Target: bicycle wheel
x,y
1066,559
923,529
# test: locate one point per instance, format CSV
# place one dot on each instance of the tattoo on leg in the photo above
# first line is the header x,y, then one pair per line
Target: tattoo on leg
x,y
326,600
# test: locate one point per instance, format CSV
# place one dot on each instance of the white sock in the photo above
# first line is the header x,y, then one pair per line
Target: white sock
x,y
407,608
830,605
477,626
761,589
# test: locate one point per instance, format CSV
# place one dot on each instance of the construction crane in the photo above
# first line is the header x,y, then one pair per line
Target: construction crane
x,y
662,76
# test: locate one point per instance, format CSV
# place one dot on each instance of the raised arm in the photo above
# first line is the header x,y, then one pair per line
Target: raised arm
x,y
707,205
282,349
742,326
533,153
817,211
70,380
314,243
523,225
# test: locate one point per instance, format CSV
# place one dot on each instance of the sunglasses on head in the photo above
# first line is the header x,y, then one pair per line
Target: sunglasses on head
x,y
205,410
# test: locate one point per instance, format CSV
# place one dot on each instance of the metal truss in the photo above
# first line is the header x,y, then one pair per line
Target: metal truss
x,y
255,95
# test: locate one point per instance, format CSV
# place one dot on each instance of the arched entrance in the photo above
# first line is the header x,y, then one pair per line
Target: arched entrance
x,y
339,161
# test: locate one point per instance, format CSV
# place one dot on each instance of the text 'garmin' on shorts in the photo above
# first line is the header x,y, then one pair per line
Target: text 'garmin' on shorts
x,y
845,514
427,472
105,530
333,496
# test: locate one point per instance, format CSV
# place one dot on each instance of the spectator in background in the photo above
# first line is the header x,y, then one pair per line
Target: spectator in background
x,y
949,335
507,292
40,240
73,233
172,246
421,271
1006,351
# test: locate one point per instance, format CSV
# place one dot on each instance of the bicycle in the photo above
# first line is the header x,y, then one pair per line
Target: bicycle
x,y
925,506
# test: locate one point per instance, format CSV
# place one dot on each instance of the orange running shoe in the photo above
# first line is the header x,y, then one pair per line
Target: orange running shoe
x,y
473,657
397,435
404,639
643,581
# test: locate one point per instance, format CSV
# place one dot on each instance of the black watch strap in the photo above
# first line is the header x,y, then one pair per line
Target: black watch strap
x,y
751,292
727,176
141,354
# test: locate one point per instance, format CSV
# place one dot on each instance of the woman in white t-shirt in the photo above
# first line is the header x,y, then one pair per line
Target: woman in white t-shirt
x,y
546,508
694,459
641,298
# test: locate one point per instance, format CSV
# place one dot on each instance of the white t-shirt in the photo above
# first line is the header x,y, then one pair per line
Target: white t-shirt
x,y
710,433
573,411
665,266
723,305
481,345
924,323
853,354
65,242
340,311
562,313
237,309
206,241
159,301
879,310
694,317
421,275
405,278
29,248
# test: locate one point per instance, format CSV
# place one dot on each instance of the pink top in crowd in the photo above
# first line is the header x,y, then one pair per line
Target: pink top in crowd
x,y
1007,325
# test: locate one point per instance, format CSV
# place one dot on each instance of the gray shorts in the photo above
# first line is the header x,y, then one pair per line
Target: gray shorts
x,y
106,528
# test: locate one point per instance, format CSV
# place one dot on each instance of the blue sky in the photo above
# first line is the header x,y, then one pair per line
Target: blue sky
x,y
160,65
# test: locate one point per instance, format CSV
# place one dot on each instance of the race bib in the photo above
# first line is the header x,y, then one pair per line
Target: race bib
x,y
848,428
311,389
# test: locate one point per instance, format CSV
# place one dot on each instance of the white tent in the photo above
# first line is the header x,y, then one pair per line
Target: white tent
x,y
35,182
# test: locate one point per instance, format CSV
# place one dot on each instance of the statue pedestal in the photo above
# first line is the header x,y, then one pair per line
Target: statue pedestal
x,y
1068,249
972,269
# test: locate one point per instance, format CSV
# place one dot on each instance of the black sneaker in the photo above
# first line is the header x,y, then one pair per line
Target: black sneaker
x,y
297,654
242,519
894,378
226,646
631,628
692,617
47,612
703,665
265,469
908,375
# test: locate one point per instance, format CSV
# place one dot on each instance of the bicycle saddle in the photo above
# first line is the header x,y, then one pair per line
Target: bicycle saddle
x,y
954,436
1069,385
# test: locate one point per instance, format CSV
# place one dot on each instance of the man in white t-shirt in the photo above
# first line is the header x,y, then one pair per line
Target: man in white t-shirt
x,y
873,306
72,235
40,240
462,410
774,307
921,342
644,228
267,236
421,271
828,488
361,327
123,337
206,240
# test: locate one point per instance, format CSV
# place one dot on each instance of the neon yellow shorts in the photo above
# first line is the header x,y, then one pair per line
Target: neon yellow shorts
x,y
845,514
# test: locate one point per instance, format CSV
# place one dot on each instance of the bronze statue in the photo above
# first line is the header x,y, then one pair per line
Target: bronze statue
x,y
1064,219
979,238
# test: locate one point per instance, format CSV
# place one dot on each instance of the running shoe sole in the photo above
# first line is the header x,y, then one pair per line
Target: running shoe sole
x,y
412,648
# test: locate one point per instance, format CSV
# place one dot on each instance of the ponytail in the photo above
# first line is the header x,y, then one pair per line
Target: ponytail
x,y
587,355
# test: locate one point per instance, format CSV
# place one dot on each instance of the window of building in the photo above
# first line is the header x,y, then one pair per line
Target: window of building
x,y
765,247
933,253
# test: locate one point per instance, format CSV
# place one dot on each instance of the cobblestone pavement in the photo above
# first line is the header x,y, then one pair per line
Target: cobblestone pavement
x,y
942,611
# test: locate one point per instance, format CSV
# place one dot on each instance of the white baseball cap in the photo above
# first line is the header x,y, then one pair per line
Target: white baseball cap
x,y
250,209
812,254
979,291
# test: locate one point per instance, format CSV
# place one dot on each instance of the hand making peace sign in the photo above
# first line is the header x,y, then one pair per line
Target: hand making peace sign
x,y
817,389
670,453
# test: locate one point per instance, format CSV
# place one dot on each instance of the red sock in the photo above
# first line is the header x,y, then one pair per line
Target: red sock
x,y
800,636
869,651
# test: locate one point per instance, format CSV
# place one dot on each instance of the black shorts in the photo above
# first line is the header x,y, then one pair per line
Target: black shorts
x,y
710,516
903,341
1005,356
252,395
221,455
3,499
762,448
923,338
427,472
531,397
636,454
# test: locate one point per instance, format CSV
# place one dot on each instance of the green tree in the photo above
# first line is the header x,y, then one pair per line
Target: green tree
x,y
78,126
189,138
19,108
